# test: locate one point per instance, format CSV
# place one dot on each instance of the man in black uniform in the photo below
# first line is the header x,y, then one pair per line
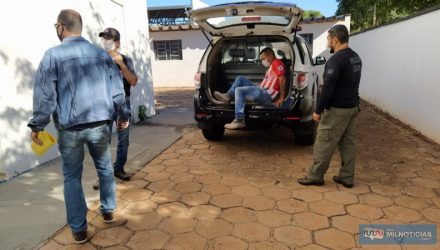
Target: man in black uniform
x,y
336,111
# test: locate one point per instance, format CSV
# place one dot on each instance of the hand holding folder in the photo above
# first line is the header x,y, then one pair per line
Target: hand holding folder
x,y
48,141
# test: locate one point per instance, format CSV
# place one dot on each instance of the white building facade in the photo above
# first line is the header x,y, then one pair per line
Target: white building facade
x,y
28,31
185,40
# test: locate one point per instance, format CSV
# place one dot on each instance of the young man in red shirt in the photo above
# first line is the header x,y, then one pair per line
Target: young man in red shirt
x,y
271,89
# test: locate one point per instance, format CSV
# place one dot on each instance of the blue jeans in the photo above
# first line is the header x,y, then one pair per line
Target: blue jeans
x,y
123,142
244,90
71,145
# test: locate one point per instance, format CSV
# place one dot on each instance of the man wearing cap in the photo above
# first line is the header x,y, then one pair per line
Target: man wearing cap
x,y
336,111
111,42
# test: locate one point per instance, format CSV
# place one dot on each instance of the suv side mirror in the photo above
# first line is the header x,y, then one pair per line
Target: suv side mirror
x,y
320,60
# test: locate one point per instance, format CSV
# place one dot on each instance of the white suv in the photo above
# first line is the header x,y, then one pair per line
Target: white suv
x,y
240,31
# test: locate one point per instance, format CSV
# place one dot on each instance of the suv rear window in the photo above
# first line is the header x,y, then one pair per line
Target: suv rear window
x,y
247,50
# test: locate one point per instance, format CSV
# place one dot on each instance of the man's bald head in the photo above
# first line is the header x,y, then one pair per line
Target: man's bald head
x,y
71,20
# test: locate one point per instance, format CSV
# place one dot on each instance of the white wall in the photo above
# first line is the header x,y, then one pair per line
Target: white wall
x,y
28,28
401,71
179,73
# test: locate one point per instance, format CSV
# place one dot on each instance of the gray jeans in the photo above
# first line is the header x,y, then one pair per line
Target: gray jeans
x,y
337,128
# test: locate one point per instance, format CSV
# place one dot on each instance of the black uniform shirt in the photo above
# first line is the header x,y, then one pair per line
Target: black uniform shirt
x,y
342,76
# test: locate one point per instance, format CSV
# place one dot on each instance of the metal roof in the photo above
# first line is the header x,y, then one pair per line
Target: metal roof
x,y
173,18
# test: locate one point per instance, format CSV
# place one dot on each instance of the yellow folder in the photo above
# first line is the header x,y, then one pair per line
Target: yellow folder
x,y
48,141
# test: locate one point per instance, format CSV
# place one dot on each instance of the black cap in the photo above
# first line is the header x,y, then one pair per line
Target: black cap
x,y
110,33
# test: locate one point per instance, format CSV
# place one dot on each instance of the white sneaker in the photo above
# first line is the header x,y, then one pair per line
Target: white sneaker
x,y
236,124
222,97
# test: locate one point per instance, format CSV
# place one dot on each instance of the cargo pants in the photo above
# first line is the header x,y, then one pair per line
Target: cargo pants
x,y
335,130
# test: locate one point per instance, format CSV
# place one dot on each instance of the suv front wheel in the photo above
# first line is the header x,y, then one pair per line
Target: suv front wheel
x,y
214,134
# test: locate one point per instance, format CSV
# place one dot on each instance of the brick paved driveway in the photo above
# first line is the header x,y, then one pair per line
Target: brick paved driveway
x,y
241,193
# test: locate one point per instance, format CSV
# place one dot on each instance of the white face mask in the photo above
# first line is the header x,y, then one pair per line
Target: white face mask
x,y
265,63
108,44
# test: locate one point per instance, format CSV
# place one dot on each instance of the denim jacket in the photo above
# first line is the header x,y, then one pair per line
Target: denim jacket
x,y
77,83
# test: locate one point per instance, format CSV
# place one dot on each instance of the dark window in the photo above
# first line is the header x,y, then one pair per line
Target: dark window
x,y
168,50
309,41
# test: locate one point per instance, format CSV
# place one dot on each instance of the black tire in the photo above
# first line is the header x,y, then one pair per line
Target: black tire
x,y
214,134
305,139
305,134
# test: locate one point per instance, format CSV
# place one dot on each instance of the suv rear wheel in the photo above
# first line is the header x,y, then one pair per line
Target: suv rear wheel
x,y
305,134
214,134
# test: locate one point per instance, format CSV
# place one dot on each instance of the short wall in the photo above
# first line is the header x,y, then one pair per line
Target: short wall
x,y
400,70
29,31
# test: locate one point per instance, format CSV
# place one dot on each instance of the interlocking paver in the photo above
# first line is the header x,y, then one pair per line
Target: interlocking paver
x,y
292,206
229,242
246,190
216,189
188,241
175,209
239,215
276,193
208,179
267,245
196,199
375,200
166,196
182,178
311,220
188,187
327,208
205,212
214,229
138,222
335,239
258,202
160,186
341,197
348,223
179,169
251,232
364,211
402,214
432,214
411,202
274,218
137,195
175,225
416,191
148,239
111,236
241,193
227,200
139,207
306,195
293,235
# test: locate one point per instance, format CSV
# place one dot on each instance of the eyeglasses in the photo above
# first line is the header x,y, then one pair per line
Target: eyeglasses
x,y
57,25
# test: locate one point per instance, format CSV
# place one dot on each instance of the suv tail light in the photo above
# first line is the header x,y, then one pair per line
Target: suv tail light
x,y
197,79
300,81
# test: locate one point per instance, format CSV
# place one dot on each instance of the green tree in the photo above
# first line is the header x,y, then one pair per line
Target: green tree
x,y
370,13
312,13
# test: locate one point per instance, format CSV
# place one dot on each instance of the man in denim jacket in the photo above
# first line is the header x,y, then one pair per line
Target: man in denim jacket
x,y
80,85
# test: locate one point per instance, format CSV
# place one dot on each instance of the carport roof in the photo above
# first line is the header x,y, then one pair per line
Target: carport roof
x,y
188,25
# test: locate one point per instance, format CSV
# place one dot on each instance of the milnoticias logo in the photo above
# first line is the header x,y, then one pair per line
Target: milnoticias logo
x,y
373,233
398,234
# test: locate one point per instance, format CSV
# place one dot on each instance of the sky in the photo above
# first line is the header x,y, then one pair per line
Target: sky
x,y
327,7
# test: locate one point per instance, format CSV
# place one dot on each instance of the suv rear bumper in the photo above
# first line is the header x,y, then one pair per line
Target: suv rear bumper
x,y
208,115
